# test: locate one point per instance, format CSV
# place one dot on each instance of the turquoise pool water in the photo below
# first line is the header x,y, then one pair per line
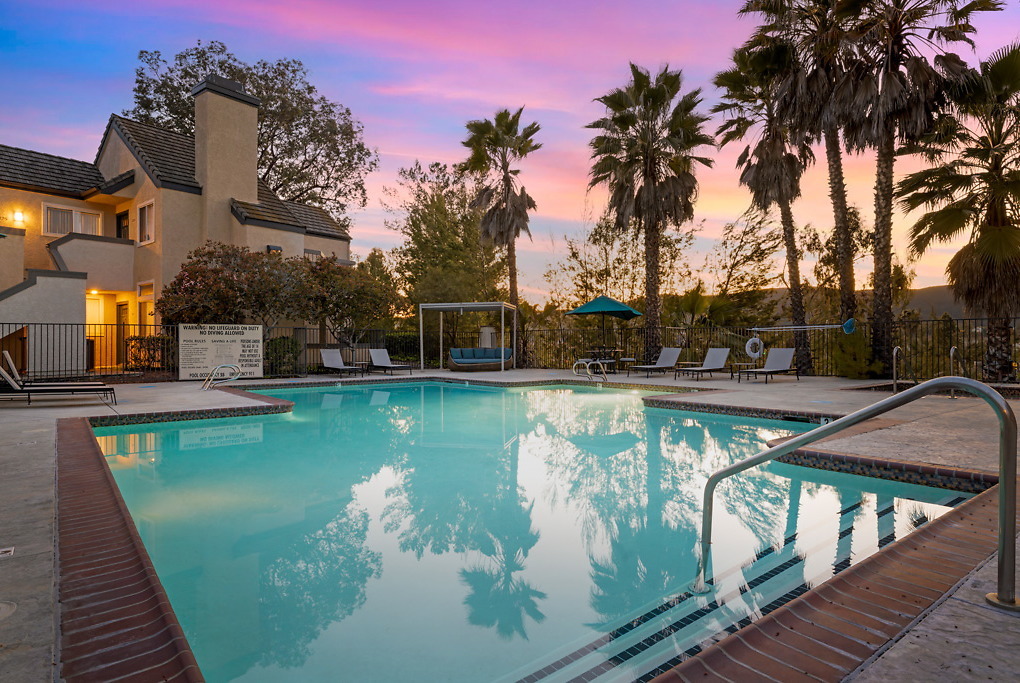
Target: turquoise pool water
x,y
443,532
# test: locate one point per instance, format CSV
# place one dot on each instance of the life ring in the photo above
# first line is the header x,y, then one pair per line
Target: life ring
x,y
754,348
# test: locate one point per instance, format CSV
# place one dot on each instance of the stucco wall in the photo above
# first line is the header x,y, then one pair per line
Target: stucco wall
x,y
110,265
258,238
51,299
31,205
226,161
12,257
329,247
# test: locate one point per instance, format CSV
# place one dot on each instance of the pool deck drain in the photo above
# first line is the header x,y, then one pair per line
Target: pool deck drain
x,y
935,431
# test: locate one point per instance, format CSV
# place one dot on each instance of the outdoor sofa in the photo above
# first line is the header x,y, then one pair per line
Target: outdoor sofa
x,y
474,360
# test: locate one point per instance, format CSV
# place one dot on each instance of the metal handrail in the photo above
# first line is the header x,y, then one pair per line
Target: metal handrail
x,y
1005,596
895,364
208,383
952,366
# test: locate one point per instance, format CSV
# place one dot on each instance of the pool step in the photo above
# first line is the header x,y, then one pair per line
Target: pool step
x,y
642,645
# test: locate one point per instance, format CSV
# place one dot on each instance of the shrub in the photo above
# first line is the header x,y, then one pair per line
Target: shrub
x,y
282,355
151,352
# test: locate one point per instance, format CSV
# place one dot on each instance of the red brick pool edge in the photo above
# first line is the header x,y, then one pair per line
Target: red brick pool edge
x,y
115,620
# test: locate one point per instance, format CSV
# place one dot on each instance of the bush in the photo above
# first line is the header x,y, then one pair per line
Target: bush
x,y
151,352
282,355
852,357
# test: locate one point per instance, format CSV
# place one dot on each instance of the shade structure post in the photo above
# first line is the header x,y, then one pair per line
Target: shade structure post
x,y
514,354
440,340
421,335
502,338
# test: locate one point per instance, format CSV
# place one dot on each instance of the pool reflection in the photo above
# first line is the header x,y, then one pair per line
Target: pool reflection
x,y
506,522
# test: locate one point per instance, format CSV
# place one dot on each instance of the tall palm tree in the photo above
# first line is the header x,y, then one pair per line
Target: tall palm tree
x,y
495,147
895,89
822,33
775,161
644,154
974,185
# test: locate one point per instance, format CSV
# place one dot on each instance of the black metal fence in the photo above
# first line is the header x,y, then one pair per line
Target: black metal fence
x,y
150,352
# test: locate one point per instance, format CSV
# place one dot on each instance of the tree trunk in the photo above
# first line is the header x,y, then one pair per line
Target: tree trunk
x,y
511,265
881,311
841,223
800,337
653,303
998,366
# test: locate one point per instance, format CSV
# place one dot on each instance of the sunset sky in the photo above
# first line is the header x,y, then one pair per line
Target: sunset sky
x,y
413,72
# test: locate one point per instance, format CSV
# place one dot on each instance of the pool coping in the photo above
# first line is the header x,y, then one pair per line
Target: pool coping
x,y
157,648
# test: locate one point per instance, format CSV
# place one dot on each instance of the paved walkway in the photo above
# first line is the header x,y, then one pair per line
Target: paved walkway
x,y
961,639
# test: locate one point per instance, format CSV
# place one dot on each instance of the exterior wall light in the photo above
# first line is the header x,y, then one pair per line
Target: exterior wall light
x,y
93,291
19,216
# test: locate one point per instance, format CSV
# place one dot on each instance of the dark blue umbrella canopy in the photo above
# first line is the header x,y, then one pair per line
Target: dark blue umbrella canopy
x,y
606,306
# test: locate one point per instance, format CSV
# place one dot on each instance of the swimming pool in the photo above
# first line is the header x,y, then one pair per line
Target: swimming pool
x,y
447,532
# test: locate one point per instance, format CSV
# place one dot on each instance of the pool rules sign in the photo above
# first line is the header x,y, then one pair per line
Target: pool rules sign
x,y
203,347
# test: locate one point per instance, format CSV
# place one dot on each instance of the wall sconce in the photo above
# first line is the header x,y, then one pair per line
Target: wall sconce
x,y
273,249
93,291
19,216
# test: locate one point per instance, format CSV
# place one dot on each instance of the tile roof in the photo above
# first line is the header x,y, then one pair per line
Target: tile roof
x,y
317,221
36,170
166,156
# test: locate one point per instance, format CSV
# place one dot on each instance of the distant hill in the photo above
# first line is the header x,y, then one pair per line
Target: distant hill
x,y
932,302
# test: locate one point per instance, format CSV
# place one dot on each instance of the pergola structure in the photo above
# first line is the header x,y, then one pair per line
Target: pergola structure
x,y
468,307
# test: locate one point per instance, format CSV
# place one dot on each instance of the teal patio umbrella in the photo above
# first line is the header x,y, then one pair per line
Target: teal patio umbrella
x,y
605,305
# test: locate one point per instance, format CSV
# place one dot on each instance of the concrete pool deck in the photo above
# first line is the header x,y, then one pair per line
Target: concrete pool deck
x,y
960,638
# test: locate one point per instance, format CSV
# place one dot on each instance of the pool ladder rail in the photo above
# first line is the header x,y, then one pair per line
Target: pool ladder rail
x,y
209,382
591,367
1005,596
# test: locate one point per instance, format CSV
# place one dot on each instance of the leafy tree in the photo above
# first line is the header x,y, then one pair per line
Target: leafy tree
x,y
345,300
611,262
495,146
644,152
743,268
822,34
441,258
973,186
894,89
827,295
773,164
223,283
310,149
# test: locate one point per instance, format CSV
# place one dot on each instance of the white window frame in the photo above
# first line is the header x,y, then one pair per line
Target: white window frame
x,y
145,297
151,204
76,212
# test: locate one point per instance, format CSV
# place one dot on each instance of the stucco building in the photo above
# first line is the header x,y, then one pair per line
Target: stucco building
x,y
95,243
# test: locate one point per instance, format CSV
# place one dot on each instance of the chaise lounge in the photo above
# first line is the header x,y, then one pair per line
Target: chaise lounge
x,y
476,360
18,389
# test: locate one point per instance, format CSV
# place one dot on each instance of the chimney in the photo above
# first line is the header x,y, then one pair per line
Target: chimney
x,y
226,150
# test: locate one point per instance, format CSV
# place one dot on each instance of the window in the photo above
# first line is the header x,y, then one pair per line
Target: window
x,y
146,224
313,255
61,220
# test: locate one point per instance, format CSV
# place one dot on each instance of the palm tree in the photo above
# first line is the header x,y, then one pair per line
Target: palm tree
x,y
495,147
821,32
644,153
895,90
774,162
974,184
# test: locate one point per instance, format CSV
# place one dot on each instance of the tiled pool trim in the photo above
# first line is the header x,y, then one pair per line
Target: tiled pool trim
x,y
827,635
832,630
115,621
954,478
269,405
404,379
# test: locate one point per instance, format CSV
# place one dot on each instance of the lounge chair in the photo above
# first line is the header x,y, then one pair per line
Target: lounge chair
x,y
13,369
715,361
332,359
777,361
54,389
381,361
664,363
